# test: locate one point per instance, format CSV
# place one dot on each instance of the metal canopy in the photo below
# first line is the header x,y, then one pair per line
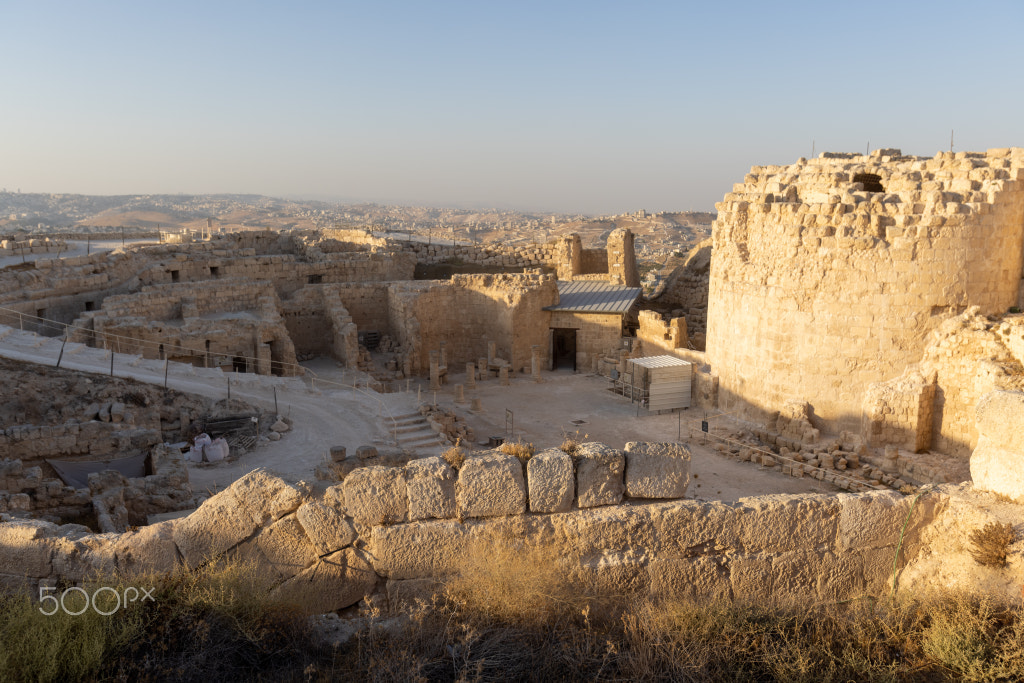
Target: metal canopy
x,y
594,296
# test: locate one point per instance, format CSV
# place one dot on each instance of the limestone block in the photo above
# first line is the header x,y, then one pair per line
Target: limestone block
x,y
551,480
421,550
997,469
23,550
218,525
491,485
657,470
266,497
876,519
117,412
599,475
784,522
284,545
332,583
326,527
431,483
146,549
693,578
376,495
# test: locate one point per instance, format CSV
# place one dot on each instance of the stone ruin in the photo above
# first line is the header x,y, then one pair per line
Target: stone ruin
x,y
56,424
860,313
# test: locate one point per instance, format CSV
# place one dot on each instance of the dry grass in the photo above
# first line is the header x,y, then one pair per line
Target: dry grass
x,y
455,455
218,623
990,544
518,613
571,442
523,451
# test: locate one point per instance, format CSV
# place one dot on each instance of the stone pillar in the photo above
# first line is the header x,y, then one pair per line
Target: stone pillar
x,y
470,376
535,361
444,354
477,406
460,394
491,348
407,366
482,366
503,373
435,372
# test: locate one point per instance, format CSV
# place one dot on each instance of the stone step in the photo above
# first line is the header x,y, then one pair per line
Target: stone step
x,y
422,442
410,428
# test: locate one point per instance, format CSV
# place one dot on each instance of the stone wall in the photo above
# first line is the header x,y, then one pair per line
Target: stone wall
x,y
43,245
468,312
113,500
386,528
970,355
997,463
207,326
622,268
687,291
900,413
659,336
597,334
827,275
64,289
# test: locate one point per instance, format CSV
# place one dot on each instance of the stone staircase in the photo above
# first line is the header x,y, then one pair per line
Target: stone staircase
x,y
412,431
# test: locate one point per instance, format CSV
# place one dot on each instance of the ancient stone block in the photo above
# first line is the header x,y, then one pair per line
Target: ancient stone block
x,y
783,522
690,577
218,525
23,552
327,528
551,481
146,549
491,485
657,470
420,550
266,496
599,475
876,519
431,483
331,583
376,495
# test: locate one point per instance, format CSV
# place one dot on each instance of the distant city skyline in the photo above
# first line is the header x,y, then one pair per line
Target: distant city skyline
x,y
573,107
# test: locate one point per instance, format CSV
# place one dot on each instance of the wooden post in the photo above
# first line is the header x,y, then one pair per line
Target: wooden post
x,y
167,364
61,354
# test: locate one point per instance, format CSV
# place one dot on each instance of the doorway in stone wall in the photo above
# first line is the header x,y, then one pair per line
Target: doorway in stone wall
x,y
563,348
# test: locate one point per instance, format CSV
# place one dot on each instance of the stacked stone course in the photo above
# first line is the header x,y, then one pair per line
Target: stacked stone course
x,y
821,287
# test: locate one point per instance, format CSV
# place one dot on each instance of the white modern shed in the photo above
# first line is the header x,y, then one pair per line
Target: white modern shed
x,y
666,381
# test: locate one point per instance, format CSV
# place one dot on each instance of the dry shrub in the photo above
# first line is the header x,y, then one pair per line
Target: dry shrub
x,y
519,612
507,580
990,544
523,451
571,442
455,456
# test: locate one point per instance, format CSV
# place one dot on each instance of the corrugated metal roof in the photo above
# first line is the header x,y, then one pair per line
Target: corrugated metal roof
x,y
594,296
658,361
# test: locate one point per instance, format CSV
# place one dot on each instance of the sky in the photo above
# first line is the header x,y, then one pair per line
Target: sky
x,y
591,107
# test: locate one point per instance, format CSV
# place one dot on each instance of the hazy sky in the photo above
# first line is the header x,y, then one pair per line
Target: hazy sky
x,y
598,107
